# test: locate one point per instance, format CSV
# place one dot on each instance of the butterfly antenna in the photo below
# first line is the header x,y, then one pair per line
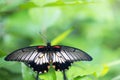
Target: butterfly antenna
x,y
44,37
64,75
37,76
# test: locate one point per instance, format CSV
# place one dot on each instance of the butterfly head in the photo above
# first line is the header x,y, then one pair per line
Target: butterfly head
x,y
48,44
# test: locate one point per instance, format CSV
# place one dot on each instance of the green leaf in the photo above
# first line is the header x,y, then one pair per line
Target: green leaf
x,y
83,78
50,75
57,3
27,5
79,69
27,74
62,36
105,70
61,3
2,54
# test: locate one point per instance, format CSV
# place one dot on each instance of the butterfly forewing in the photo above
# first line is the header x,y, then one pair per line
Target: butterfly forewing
x,y
25,54
74,54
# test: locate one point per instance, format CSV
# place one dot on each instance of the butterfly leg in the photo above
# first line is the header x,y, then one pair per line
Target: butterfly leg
x,y
37,76
64,75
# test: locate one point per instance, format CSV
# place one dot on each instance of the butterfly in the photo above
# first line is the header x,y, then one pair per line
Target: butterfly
x,y
40,58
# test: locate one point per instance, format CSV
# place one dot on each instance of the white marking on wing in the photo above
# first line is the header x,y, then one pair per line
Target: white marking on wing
x,y
64,54
33,56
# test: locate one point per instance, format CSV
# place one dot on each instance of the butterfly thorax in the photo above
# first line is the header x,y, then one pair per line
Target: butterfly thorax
x,y
49,48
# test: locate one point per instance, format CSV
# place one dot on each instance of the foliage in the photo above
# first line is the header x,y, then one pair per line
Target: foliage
x,y
90,25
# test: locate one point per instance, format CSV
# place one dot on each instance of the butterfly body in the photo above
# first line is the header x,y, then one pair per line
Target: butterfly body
x,y
39,58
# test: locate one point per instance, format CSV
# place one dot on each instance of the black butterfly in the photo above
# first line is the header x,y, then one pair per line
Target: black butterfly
x,y
39,58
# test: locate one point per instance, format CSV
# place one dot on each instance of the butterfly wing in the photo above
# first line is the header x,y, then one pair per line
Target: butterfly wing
x,y
33,56
74,54
24,55
41,68
63,58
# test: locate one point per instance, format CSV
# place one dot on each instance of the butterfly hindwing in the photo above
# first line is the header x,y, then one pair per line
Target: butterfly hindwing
x,y
41,68
62,66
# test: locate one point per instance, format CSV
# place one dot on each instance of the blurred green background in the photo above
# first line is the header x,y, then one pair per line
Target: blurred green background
x,y
90,25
